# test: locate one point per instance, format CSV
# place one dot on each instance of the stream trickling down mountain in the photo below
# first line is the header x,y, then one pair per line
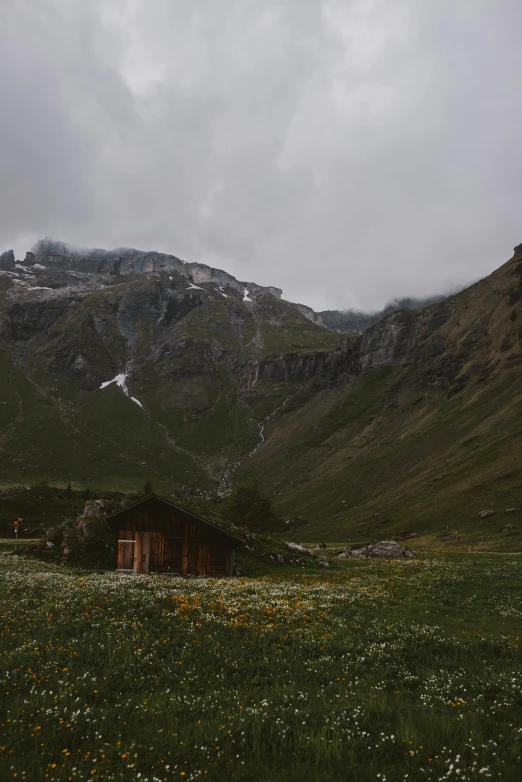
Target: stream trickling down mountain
x,y
227,475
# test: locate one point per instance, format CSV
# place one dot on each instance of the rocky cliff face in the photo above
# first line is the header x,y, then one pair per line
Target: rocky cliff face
x,y
125,261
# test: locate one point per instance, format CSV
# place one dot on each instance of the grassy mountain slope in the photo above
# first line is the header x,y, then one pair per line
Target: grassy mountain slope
x,y
424,444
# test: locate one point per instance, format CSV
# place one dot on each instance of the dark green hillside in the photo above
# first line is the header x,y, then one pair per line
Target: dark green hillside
x,y
357,468
421,445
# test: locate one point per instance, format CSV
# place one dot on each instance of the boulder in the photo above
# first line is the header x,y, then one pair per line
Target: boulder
x,y
509,528
453,536
512,510
296,548
385,548
485,514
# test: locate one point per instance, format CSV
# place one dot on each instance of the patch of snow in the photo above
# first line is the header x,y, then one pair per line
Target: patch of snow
x,y
170,278
41,288
224,294
193,287
22,268
120,381
245,295
38,266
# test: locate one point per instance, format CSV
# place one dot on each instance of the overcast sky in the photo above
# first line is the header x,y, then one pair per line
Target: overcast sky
x,y
347,151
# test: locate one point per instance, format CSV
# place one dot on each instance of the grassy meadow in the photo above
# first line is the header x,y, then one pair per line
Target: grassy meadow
x,y
374,670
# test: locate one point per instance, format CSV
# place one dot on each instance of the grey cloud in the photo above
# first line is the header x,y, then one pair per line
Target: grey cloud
x,y
346,152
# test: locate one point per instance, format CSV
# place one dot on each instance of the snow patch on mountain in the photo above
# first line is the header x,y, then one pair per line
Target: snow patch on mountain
x,y
120,381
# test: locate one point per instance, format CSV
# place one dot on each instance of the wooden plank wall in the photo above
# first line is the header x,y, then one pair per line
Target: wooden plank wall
x,y
189,547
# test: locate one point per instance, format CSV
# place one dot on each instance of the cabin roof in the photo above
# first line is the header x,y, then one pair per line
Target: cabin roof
x,y
183,511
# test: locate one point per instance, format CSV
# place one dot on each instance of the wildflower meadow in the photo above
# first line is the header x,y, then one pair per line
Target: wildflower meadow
x,y
374,670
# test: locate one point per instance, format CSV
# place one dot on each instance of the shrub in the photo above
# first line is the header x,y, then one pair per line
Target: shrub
x,y
247,505
148,488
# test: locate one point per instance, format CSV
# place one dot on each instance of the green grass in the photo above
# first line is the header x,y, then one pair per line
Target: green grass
x,y
403,669
418,459
77,441
8,545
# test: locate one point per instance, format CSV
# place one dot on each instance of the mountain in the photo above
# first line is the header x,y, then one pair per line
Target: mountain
x,y
185,342
356,320
418,427
120,366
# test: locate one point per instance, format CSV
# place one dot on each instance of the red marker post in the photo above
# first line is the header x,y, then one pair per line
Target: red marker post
x,y
17,525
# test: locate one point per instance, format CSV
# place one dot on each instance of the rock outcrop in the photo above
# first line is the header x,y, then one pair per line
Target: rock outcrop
x,y
385,548
7,260
296,548
126,261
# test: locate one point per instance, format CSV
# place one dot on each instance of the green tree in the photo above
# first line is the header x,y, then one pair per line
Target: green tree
x,y
248,506
148,488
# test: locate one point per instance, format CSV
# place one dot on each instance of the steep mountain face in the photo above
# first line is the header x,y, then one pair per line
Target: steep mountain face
x,y
419,426
120,366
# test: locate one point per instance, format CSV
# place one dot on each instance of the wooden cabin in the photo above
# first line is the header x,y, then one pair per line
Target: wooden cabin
x,y
156,536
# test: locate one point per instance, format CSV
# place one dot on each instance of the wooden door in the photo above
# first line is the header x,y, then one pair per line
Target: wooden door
x,y
126,543
146,551
172,554
142,552
193,559
203,561
158,552
219,561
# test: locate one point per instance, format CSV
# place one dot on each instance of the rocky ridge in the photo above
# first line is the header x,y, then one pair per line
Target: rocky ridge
x,y
54,255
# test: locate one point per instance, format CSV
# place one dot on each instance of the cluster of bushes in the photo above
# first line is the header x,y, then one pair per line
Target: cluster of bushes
x,y
87,539
248,506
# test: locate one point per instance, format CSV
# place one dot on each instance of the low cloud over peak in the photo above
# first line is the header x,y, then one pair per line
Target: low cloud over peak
x,y
347,153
